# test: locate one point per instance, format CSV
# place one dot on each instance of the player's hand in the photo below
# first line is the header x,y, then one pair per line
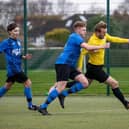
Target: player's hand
x,y
91,51
107,45
28,56
79,69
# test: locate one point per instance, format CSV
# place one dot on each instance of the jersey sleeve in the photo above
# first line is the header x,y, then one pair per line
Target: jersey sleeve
x,y
81,58
79,40
116,39
3,46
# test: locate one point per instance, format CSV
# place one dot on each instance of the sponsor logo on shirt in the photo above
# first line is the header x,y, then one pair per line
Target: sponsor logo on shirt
x,y
16,51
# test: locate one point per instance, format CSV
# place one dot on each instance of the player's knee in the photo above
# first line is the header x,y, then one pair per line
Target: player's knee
x,y
60,86
28,83
115,84
85,84
8,86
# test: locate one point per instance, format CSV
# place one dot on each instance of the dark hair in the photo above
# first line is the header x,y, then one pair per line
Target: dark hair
x,y
79,24
100,25
11,26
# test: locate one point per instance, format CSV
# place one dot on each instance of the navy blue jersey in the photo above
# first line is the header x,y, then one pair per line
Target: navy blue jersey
x,y
71,50
12,50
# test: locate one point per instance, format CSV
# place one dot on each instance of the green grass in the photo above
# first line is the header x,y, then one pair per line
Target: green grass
x,y
89,112
42,80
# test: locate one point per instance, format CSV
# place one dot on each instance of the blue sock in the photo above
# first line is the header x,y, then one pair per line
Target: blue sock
x,y
3,90
64,93
53,94
28,94
75,88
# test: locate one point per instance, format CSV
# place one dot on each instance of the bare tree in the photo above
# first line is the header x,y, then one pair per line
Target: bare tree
x,y
65,8
124,7
39,7
95,9
8,10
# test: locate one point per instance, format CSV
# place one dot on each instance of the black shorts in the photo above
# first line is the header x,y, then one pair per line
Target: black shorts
x,y
19,77
65,72
96,73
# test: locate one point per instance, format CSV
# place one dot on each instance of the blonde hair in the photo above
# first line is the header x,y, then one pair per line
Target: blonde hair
x,y
79,24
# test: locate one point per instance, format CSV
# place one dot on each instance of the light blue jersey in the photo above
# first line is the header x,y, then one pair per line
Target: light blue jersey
x,y
71,50
12,50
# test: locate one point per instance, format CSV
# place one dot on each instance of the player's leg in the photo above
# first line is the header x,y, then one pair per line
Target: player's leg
x,y
81,83
5,88
97,73
22,78
101,76
28,94
116,91
52,96
70,84
62,96
9,82
62,75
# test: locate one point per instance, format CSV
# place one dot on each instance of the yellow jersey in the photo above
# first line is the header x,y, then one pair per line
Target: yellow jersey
x,y
97,57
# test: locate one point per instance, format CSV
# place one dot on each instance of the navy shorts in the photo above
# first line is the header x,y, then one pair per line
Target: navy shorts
x,y
19,77
96,72
65,72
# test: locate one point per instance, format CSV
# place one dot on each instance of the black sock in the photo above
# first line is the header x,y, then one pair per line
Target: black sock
x,y
70,84
119,95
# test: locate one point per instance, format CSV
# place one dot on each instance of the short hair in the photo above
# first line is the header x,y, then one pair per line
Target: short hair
x,y
79,24
100,25
11,26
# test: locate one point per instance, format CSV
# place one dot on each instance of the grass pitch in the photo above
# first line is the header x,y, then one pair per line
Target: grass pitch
x,y
42,80
87,112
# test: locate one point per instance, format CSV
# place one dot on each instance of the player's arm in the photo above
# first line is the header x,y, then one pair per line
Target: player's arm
x,y
85,49
116,39
81,59
93,47
3,46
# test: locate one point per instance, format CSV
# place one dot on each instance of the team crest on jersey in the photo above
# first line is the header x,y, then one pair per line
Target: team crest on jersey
x,y
16,51
13,43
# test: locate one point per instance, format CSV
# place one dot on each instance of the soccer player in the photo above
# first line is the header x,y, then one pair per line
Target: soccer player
x,y
13,53
65,65
96,62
